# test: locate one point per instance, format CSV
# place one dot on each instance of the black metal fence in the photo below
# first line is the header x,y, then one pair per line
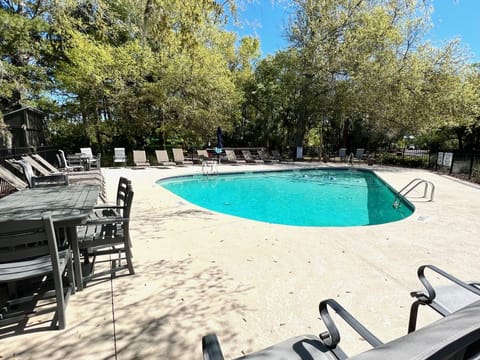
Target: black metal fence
x,y
465,165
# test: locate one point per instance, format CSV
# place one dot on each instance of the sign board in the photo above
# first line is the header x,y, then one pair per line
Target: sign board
x,y
447,159
440,158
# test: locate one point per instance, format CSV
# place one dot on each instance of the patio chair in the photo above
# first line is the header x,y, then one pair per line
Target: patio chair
x,y
456,336
115,209
444,299
63,163
342,154
232,158
247,155
359,154
179,158
93,161
106,232
119,156
28,250
162,158
140,158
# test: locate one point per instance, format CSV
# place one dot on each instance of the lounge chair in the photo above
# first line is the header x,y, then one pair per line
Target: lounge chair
x,y
342,154
119,156
444,299
263,154
456,336
276,155
93,161
232,158
359,154
162,158
179,158
140,158
28,250
247,155
12,179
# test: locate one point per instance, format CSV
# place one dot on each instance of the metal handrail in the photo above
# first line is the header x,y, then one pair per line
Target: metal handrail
x,y
416,182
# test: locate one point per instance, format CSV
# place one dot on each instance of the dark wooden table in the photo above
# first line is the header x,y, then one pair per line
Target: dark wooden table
x,y
68,206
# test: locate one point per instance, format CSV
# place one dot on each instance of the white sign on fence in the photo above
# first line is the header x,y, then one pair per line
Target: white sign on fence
x,y
447,159
440,158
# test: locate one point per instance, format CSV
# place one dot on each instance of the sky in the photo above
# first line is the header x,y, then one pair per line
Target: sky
x,y
267,19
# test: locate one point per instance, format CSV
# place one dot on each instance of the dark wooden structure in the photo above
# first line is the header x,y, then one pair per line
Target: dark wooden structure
x,y
26,125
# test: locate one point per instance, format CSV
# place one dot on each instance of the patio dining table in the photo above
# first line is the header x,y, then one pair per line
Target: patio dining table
x,y
79,159
68,207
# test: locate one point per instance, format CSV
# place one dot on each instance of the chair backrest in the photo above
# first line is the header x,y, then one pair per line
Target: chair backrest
x,y
40,169
87,151
119,155
162,156
139,156
44,163
122,189
202,153
230,155
24,239
359,154
62,160
247,155
178,154
342,153
12,179
276,155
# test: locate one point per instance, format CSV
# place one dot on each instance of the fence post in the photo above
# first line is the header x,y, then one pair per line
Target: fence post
x,y
470,170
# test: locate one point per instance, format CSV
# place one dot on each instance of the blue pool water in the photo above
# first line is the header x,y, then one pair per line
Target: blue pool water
x,y
314,197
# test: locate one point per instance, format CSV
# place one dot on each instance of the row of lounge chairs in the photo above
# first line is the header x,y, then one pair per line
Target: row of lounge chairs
x,y
455,336
162,158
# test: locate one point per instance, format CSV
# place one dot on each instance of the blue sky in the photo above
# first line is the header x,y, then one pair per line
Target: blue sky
x,y
451,18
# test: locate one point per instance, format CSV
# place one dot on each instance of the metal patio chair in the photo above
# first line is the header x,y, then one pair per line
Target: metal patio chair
x,y
162,158
140,158
454,337
444,299
28,250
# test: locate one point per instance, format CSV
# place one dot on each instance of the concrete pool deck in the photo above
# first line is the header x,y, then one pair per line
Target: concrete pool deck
x,y
253,283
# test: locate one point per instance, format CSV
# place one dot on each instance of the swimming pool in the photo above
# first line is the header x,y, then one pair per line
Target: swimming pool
x,y
310,197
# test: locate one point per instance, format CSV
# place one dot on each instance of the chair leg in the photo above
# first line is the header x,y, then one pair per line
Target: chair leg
x,y
59,294
128,255
412,321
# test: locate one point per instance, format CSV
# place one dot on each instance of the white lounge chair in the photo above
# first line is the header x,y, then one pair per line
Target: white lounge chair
x,y
162,158
119,156
140,158
179,158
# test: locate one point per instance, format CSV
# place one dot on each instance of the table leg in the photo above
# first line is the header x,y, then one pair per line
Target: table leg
x,y
76,258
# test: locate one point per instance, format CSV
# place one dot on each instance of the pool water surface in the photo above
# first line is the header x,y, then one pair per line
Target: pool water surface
x,y
313,197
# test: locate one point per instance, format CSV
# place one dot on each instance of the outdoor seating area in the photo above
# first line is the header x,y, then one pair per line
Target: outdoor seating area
x,y
147,265
55,237
456,336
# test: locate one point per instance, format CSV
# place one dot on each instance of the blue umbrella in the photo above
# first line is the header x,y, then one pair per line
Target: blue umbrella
x,y
219,146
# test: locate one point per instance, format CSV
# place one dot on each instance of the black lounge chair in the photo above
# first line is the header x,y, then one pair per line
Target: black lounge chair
x,y
456,336
444,299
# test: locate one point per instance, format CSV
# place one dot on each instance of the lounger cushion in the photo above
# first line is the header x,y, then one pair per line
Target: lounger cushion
x,y
448,335
297,348
453,297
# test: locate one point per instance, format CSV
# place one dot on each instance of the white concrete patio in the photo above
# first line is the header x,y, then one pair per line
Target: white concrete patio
x,y
253,283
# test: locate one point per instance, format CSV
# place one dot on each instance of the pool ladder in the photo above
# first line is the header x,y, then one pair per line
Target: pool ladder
x,y
415,183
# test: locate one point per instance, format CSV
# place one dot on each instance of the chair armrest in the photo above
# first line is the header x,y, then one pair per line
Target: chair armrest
x,y
331,337
112,220
430,291
107,206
